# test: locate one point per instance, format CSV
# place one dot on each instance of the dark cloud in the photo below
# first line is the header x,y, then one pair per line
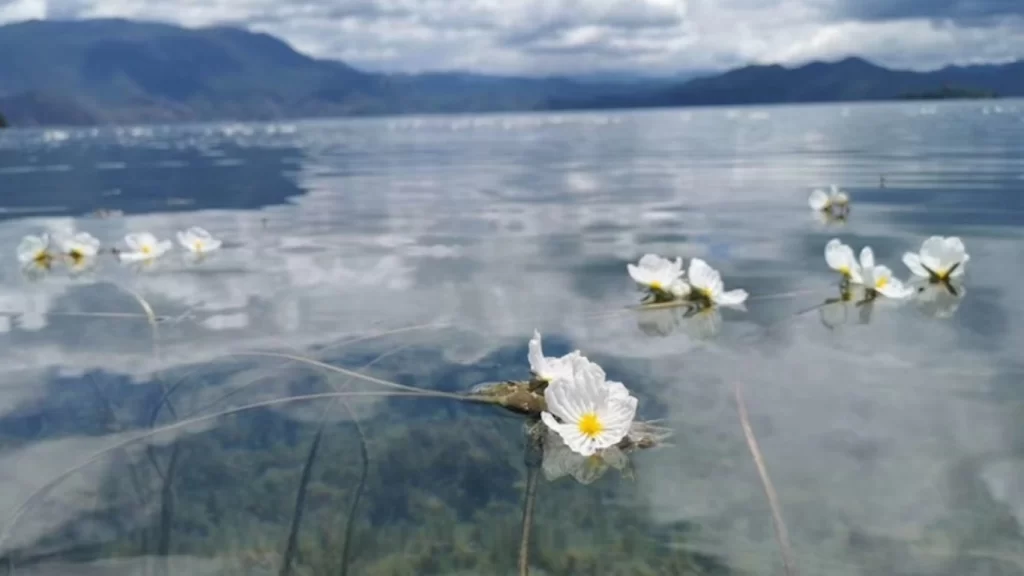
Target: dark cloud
x,y
968,11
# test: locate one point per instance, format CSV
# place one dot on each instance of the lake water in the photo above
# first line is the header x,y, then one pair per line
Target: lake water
x,y
425,251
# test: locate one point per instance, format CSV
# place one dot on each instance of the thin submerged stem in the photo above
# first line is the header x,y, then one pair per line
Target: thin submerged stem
x,y
351,373
532,475
300,496
533,458
781,533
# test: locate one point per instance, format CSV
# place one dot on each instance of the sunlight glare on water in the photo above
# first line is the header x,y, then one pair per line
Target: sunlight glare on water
x,y
425,251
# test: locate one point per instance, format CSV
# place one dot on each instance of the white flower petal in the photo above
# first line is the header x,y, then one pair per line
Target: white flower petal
x,y
895,289
197,240
656,272
732,298
867,259
913,261
536,355
570,434
705,278
139,240
639,275
679,288
617,389
818,200
185,239
31,246
132,256
162,247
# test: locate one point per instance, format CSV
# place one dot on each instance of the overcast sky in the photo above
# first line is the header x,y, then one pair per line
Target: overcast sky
x,y
558,36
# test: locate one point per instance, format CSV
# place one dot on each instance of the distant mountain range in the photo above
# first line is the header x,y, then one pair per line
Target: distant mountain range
x,y
120,71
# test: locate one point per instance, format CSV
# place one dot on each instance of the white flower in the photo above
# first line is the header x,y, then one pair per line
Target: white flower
x,y
939,260
657,273
548,368
80,248
589,413
34,251
879,278
144,246
679,288
707,284
198,240
840,258
822,200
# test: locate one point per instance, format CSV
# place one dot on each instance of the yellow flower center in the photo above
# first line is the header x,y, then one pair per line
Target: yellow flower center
x,y
76,255
656,285
589,425
881,283
146,249
197,245
43,258
844,270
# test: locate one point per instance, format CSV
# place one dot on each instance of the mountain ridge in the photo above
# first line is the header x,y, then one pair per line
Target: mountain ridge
x,y
106,71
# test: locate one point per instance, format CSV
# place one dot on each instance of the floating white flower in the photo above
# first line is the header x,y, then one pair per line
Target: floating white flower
x,y
879,279
547,368
660,275
589,413
198,240
707,287
80,249
34,252
144,246
824,201
841,259
940,259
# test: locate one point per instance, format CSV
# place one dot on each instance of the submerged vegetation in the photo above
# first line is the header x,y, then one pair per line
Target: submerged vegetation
x,y
437,494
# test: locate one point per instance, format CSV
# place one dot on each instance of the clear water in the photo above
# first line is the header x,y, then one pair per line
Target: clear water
x,y
426,251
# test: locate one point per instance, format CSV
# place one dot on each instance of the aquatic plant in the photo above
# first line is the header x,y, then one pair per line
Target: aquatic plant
x,y
34,253
198,241
80,249
939,260
660,277
544,369
878,279
587,411
143,246
833,201
708,290
840,258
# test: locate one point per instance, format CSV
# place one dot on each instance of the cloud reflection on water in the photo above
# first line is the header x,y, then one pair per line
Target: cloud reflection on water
x,y
866,428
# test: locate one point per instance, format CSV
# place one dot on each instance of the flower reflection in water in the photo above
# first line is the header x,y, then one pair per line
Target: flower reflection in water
x,y
698,322
560,460
939,300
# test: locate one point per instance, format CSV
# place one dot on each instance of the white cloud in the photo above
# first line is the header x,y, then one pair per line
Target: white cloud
x,y
558,36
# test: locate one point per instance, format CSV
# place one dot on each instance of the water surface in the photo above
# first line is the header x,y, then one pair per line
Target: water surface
x,y
426,251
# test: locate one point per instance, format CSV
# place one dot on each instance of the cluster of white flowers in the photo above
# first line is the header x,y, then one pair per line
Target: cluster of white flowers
x,y
80,249
665,281
940,260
